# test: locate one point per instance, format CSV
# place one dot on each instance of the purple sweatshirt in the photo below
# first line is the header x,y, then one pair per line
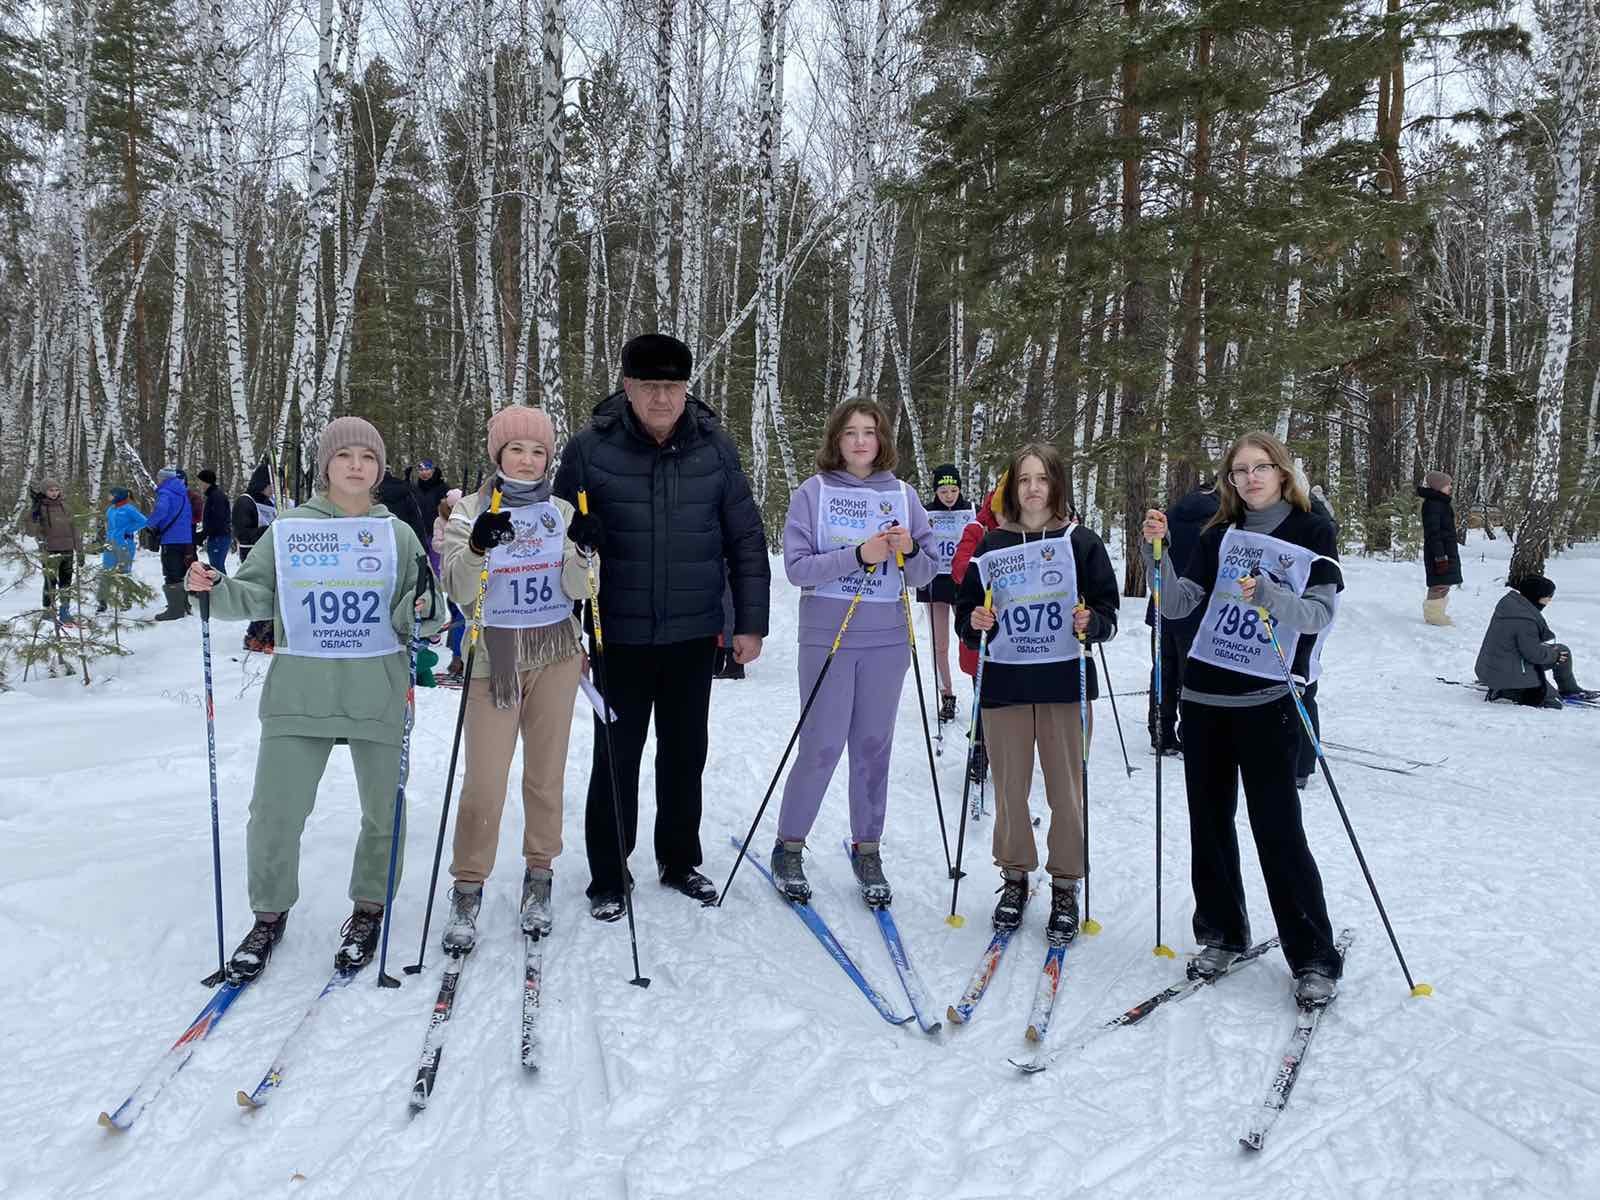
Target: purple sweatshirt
x,y
874,624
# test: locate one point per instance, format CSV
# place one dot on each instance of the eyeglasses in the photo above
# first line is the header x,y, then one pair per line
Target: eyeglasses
x,y
1241,475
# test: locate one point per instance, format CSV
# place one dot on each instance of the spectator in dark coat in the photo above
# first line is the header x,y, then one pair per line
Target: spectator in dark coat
x,y
52,524
172,521
400,498
664,482
1441,554
430,487
216,522
1518,648
1184,523
253,511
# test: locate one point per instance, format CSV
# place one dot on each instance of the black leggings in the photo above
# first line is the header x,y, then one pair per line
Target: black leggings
x,y
1260,744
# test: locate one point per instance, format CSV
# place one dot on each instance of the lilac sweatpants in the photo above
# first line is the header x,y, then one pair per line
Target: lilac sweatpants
x,y
856,707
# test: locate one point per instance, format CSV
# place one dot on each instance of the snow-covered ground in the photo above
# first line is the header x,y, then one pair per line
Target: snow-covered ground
x,y
751,1066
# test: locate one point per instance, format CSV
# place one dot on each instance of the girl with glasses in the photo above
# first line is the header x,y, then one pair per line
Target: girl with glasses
x,y
1264,550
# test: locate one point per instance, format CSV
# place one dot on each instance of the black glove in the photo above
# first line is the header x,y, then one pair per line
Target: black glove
x,y
586,532
491,529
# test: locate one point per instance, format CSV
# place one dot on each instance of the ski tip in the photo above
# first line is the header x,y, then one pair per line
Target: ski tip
x,y
106,1122
1032,1034
930,1030
1252,1141
245,1100
1164,951
951,1015
1091,927
1422,989
955,920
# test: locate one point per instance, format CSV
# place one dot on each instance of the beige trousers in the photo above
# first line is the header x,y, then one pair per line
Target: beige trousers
x,y
544,719
1011,734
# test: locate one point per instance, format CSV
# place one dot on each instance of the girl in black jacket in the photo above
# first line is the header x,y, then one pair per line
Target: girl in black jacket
x,y
1052,585
1441,555
1265,549
949,513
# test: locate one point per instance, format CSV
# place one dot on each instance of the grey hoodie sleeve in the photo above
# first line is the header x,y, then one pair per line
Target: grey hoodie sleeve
x,y
1310,613
1179,596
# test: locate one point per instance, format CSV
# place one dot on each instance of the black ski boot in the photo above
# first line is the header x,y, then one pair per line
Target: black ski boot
x,y
688,881
1062,925
250,959
868,865
789,871
607,906
1211,962
947,707
1013,899
1313,989
360,935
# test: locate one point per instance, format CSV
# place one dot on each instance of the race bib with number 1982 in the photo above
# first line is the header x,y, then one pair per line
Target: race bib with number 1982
x,y
336,583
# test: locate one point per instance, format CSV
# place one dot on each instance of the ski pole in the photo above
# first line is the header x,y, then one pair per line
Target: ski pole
x,y
794,737
922,707
221,972
1417,989
972,748
1090,925
1115,716
424,582
455,747
1162,950
639,980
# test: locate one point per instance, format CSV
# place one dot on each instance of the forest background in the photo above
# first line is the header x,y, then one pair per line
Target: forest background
x,y
1131,227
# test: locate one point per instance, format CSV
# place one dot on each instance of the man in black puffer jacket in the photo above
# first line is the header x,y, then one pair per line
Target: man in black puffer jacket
x,y
673,510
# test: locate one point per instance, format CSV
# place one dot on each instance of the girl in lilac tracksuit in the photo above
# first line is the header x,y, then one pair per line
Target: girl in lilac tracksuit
x,y
846,526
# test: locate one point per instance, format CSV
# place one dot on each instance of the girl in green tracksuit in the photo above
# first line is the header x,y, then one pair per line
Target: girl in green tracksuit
x,y
336,576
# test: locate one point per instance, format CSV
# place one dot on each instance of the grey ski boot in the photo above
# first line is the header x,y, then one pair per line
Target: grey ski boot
x,y
461,928
788,870
868,864
536,915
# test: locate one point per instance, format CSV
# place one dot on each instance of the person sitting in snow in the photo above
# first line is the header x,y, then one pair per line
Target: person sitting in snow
x,y
1518,648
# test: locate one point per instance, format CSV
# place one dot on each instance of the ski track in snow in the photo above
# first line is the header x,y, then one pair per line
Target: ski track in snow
x,y
751,1065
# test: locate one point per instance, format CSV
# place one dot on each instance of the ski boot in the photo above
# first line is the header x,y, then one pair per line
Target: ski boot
x,y
461,929
607,906
868,866
1211,962
947,707
979,771
250,959
788,870
360,935
688,881
1313,989
536,916
1013,899
1062,925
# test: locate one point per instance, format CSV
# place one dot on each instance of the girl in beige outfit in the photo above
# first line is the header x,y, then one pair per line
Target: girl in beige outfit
x,y
528,660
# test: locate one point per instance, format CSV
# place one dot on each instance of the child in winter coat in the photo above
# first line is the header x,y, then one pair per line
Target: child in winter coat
x,y
1518,648
1266,550
458,625
341,673
847,525
1441,554
985,519
537,556
1054,592
123,522
949,513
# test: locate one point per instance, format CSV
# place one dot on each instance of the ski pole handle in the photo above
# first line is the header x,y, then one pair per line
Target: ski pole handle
x,y
594,599
483,584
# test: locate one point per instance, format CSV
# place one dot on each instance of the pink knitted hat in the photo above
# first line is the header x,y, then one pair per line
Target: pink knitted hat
x,y
519,423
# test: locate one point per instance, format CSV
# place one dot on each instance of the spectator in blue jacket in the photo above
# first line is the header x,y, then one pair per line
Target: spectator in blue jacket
x,y
216,521
173,524
123,522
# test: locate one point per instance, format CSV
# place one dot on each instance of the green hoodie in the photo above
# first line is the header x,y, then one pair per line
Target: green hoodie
x,y
352,698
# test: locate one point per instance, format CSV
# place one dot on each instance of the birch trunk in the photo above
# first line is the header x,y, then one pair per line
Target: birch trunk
x,y
224,83
661,155
1570,37
764,394
552,82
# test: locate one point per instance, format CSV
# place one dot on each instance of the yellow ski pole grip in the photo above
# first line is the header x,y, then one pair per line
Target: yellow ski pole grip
x,y
594,599
483,583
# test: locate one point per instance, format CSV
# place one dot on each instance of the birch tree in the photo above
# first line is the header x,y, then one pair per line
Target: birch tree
x,y
1570,30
